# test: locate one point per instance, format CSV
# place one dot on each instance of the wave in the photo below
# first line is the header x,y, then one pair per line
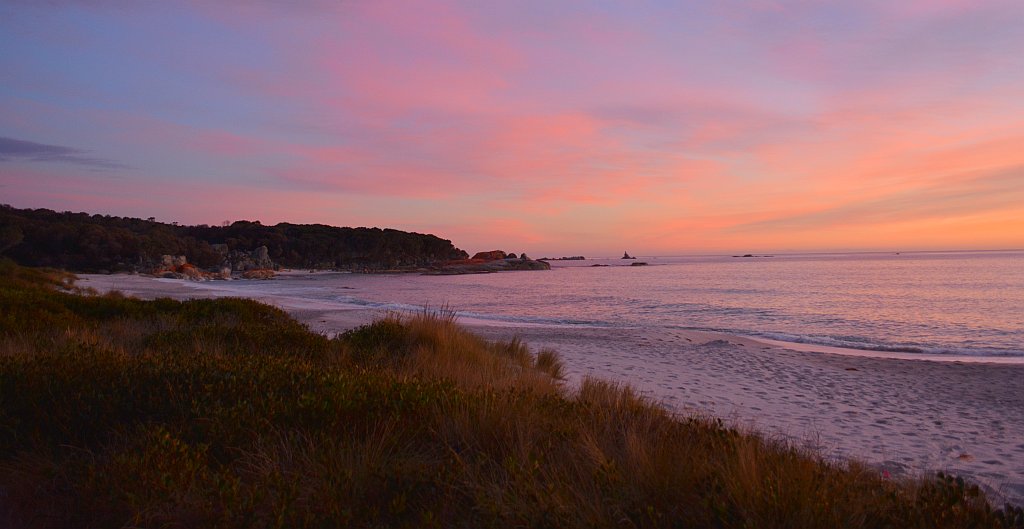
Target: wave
x,y
866,345
470,316
845,342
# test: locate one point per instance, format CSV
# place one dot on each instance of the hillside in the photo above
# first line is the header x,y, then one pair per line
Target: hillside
x,y
103,243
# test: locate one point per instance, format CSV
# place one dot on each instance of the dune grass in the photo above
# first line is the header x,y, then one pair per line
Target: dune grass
x,y
117,412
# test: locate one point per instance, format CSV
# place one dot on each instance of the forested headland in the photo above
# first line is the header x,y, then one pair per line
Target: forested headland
x,y
103,243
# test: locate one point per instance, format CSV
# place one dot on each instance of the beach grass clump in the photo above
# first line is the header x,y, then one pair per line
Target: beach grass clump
x,y
118,412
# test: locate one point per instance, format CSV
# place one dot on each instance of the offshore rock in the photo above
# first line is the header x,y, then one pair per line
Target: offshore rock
x,y
482,266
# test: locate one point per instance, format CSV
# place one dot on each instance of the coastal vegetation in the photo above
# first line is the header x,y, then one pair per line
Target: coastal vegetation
x,y
104,243
119,412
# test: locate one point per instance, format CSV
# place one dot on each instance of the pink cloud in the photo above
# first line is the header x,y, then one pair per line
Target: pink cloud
x,y
228,144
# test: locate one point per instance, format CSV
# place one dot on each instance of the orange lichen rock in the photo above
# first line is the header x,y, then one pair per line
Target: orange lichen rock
x,y
492,255
261,273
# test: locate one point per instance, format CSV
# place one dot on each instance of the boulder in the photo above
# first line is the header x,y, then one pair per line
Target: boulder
x,y
512,256
258,274
258,259
191,272
172,264
480,266
261,256
492,255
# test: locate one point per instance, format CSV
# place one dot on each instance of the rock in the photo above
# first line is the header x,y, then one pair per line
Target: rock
x,y
480,266
241,260
492,255
524,257
640,263
191,272
175,266
258,274
625,255
512,256
225,273
261,256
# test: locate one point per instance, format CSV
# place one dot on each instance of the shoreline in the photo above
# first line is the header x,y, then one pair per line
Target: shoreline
x,y
890,355
904,416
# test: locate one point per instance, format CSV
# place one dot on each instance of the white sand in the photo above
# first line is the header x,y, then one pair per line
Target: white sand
x,y
905,416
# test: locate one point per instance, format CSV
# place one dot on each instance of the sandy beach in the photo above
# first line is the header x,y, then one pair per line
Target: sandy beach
x,y
904,416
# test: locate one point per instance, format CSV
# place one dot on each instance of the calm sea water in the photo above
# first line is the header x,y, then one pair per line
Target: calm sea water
x,y
936,303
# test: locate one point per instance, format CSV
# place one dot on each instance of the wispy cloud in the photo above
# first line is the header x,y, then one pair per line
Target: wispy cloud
x,y
12,150
955,196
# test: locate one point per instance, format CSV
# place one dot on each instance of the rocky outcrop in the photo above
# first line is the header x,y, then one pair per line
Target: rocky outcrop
x,y
81,242
261,273
488,262
170,262
492,255
178,267
241,260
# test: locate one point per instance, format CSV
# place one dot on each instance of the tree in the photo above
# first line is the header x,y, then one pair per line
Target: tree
x,y
10,236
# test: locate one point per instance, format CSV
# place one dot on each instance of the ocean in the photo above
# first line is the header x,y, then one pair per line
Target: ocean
x,y
936,303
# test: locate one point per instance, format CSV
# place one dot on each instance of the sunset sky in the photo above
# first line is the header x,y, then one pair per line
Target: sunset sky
x,y
552,127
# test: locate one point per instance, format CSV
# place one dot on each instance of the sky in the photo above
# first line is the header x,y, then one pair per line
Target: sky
x,y
555,128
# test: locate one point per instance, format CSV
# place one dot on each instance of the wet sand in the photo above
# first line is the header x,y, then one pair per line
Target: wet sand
x,y
907,417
